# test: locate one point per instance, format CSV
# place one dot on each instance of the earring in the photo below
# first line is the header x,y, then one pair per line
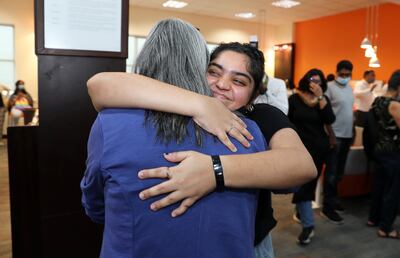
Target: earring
x,y
250,107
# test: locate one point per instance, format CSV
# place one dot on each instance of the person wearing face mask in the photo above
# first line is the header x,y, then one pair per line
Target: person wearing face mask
x,y
19,101
341,96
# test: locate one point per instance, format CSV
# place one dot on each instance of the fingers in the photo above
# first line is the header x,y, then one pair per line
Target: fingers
x,y
162,188
243,131
313,87
185,205
166,201
235,133
176,156
242,128
226,141
240,121
161,172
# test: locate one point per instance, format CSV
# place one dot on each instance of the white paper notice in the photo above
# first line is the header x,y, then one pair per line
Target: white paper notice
x,y
83,25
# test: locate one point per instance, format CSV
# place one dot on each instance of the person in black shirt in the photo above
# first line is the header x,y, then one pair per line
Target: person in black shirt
x,y
310,111
386,189
270,120
234,68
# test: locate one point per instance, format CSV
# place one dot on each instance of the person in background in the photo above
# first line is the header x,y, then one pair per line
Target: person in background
x,y
2,111
364,96
330,77
341,96
275,95
310,111
386,189
18,101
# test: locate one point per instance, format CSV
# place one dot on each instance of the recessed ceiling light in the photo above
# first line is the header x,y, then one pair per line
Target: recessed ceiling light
x,y
285,3
174,4
245,15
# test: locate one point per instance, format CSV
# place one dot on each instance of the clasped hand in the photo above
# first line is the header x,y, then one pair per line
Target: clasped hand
x,y
188,181
193,177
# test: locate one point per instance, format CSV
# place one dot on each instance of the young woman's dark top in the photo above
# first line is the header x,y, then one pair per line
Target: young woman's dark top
x,y
270,120
309,122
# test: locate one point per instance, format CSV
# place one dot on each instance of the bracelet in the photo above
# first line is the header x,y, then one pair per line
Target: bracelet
x,y
219,173
320,98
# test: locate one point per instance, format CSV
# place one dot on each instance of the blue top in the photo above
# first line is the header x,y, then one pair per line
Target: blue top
x,y
120,144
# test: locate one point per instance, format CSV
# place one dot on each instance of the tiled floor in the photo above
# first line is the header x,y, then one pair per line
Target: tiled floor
x,y
352,240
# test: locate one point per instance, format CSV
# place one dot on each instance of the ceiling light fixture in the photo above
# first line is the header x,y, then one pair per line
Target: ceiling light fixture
x,y
374,62
370,42
369,52
174,4
366,43
285,3
245,15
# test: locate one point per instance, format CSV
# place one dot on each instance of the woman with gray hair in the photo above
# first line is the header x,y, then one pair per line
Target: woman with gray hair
x,y
125,141
233,74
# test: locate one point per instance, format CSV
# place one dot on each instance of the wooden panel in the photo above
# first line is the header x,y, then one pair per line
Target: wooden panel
x,y
24,184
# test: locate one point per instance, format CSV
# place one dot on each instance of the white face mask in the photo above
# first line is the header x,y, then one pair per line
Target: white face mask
x,y
21,86
342,81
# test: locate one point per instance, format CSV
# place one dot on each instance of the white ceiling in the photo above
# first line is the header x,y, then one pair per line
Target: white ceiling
x,y
308,9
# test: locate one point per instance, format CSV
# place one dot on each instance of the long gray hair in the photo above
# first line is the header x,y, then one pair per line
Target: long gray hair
x,y
176,53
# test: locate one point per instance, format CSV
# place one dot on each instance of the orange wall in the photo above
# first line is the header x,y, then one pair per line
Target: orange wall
x,y
322,42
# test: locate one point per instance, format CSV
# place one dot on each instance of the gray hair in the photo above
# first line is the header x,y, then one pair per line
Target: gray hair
x,y
176,53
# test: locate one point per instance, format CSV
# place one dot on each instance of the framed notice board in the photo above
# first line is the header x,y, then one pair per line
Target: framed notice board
x,y
82,28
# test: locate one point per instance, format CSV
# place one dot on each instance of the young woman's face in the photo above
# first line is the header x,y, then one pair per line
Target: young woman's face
x,y
229,79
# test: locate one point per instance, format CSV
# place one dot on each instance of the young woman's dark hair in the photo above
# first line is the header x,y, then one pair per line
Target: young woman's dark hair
x,y
344,64
394,81
304,83
255,65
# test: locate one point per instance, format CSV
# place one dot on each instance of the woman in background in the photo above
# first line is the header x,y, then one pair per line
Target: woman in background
x,y
310,111
386,191
19,101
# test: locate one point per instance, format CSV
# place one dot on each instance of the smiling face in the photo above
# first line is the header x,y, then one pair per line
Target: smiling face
x,y
229,79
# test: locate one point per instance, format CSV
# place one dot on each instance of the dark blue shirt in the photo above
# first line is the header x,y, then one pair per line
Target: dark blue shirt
x,y
120,144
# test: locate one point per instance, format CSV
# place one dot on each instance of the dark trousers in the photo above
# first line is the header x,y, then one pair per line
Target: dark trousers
x,y
360,118
307,191
335,164
386,191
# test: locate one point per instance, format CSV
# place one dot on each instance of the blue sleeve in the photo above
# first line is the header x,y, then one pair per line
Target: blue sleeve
x,y
92,184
